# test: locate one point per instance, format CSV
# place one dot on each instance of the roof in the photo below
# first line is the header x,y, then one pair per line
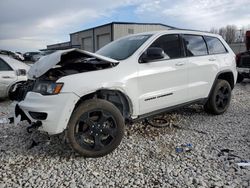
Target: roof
x,y
15,64
130,23
184,31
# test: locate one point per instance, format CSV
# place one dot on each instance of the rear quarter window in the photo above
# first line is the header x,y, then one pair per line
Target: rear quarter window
x,y
195,45
214,45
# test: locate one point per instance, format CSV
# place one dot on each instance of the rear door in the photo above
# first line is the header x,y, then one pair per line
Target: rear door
x,y
7,77
218,51
163,83
202,68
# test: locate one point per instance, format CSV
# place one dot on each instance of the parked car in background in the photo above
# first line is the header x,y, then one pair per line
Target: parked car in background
x,y
36,57
12,54
12,73
243,61
20,56
90,96
29,55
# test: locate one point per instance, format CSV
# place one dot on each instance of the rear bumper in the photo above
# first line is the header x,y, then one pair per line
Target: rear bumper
x,y
244,71
58,109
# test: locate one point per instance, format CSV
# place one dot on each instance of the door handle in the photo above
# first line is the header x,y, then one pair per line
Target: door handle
x,y
212,59
179,64
6,77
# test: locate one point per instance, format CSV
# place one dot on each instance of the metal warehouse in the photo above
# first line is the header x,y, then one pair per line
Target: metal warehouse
x,y
94,38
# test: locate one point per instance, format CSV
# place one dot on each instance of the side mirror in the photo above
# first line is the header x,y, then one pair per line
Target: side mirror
x,y
21,72
152,53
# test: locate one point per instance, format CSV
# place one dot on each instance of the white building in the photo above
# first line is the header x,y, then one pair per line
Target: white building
x,y
94,38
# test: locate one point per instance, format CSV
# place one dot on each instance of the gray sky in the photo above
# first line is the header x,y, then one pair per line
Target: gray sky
x,y
33,24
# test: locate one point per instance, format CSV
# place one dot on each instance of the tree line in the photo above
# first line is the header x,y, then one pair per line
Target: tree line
x,y
231,33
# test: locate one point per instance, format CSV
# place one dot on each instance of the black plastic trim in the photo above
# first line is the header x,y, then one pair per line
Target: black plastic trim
x,y
216,78
38,115
19,111
150,114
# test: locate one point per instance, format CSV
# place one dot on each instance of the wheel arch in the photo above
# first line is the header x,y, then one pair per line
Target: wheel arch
x,y
223,75
228,76
115,96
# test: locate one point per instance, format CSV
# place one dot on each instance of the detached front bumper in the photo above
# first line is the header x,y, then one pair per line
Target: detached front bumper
x,y
53,111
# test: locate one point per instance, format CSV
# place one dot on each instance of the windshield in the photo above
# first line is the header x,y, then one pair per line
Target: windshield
x,y
123,48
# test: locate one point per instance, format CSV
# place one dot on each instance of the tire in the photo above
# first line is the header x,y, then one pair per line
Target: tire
x,y
96,128
219,100
240,78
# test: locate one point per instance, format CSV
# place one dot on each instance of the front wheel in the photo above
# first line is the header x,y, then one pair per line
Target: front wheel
x,y
95,128
219,100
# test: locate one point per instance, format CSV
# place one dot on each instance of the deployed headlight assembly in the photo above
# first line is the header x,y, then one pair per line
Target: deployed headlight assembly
x,y
47,88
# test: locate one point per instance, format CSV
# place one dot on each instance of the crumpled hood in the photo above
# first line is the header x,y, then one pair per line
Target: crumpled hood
x,y
47,62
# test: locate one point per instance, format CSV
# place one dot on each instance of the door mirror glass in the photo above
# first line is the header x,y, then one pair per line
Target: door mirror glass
x,y
21,72
152,53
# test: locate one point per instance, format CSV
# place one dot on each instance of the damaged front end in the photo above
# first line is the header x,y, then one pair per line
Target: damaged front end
x,y
44,74
40,100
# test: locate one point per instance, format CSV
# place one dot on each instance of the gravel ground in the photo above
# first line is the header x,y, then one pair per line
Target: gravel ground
x,y
146,157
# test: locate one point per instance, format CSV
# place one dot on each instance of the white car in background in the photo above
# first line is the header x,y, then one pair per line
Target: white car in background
x,y
12,72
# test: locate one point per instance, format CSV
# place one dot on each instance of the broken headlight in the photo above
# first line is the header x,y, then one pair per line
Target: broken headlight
x,y
47,88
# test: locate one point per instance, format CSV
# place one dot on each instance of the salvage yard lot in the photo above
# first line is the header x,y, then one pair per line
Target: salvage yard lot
x,y
146,156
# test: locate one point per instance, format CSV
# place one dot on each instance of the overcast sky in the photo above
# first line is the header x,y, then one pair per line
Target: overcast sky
x,y
32,24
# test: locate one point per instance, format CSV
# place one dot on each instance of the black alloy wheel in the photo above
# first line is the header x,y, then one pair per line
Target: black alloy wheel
x,y
96,128
219,99
222,97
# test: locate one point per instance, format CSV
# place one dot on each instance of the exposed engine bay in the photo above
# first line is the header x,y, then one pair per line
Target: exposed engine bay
x,y
74,63
60,64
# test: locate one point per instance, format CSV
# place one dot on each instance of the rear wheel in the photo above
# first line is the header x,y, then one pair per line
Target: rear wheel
x,y
219,99
95,128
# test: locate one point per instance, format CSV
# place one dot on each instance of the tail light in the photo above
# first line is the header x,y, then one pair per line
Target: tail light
x,y
237,59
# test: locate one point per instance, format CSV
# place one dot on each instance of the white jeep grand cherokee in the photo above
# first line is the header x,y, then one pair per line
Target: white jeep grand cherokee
x,y
90,96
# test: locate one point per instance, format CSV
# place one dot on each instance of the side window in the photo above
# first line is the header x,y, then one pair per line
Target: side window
x,y
4,66
214,45
170,44
195,45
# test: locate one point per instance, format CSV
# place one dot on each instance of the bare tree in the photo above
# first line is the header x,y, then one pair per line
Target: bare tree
x,y
222,32
230,35
214,30
240,37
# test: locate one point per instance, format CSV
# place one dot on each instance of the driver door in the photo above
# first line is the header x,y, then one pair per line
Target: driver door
x,y
163,82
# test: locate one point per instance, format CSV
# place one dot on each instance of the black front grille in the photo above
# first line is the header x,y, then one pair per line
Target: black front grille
x,y
38,115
